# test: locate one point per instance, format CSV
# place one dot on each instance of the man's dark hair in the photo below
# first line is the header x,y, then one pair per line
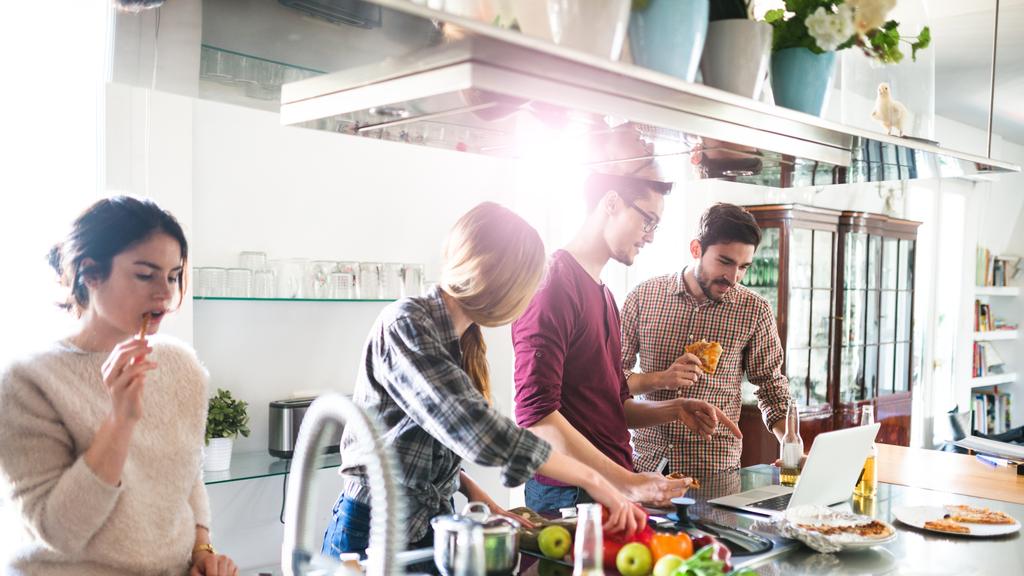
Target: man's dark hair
x,y
727,223
629,188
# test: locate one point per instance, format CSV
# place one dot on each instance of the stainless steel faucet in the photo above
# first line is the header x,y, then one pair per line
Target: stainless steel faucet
x,y
300,549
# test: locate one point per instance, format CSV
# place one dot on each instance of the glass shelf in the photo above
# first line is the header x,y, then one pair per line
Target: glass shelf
x,y
253,465
240,299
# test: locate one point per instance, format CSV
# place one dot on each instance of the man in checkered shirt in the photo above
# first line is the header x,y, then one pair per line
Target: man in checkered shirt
x,y
704,301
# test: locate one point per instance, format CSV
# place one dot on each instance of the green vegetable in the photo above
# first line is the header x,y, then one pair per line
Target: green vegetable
x,y
227,417
702,563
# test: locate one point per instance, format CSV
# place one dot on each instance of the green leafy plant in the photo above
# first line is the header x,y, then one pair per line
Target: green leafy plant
x,y
832,25
227,417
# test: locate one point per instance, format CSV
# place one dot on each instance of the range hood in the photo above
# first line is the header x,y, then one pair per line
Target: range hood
x,y
487,90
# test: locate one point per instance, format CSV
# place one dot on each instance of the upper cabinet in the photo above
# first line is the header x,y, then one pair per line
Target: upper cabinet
x,y
842,287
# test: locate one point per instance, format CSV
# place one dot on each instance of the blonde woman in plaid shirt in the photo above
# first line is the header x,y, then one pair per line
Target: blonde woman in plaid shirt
x,y
704,301
424,373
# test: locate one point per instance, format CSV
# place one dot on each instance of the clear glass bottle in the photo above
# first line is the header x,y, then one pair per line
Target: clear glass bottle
x,y
867,484
792,447
588,552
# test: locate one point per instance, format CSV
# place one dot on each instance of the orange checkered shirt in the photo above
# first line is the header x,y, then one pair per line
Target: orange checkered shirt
x,y
659,318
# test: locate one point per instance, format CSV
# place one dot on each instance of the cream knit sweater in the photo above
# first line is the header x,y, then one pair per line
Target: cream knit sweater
x,y
51,405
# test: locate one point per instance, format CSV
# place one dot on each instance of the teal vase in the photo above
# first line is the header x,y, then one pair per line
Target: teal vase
x,y
668,36
801,79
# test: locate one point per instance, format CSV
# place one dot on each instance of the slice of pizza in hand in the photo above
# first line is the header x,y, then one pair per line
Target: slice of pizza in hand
x,y
708,352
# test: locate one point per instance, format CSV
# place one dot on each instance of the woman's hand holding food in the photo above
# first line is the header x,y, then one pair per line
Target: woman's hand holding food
x,y
124,373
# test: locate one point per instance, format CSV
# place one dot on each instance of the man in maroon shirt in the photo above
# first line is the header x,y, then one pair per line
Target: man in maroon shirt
x,y
570,387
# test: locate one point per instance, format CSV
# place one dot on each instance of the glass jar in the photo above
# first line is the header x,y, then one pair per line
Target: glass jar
x,y
369,280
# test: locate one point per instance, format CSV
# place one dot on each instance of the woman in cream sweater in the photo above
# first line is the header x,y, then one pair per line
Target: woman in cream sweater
x,y
101,435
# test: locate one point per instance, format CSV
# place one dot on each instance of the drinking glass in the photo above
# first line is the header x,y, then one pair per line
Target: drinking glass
x,y
252,260
264,284
391,280
319,276
239,283
412,280
369,280
211,282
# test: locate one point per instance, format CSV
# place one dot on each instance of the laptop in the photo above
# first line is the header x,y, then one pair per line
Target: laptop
x,y
829,475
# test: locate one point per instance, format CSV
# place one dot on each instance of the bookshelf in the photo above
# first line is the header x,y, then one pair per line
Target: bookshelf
x,y
996,345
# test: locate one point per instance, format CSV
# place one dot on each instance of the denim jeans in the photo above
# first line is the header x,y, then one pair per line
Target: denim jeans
x,y
349,531
544,498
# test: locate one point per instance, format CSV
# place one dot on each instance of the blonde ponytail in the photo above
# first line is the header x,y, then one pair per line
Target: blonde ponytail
x,y
474,359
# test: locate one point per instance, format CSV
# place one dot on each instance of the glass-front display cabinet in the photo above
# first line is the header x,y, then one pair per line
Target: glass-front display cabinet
x,y
874,322
841,286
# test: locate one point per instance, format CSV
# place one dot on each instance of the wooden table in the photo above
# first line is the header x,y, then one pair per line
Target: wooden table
x,y
948,472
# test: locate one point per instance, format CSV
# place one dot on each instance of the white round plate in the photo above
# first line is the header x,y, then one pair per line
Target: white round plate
x,y
916,516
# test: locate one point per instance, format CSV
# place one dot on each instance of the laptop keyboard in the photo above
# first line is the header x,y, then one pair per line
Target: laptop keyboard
x,y
779,502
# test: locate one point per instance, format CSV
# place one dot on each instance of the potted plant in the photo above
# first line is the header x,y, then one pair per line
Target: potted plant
x,y
807,34
225,419
737,49
668,35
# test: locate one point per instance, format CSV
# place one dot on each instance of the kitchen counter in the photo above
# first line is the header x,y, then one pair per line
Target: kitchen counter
x,y
914,551
949,472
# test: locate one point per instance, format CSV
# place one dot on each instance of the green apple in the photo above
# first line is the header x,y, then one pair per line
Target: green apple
x,y
667,564
634,559
554,542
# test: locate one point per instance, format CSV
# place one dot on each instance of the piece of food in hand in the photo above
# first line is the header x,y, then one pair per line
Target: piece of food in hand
x,y
946,525
694,483
634,559
145,327
708,352
554,542
971,515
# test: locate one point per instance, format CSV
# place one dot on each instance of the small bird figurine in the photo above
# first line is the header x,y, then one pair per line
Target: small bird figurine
x,y
889,112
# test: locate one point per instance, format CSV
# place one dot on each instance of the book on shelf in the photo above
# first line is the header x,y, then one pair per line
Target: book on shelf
x,y
991,411
987,360
996,270
986,321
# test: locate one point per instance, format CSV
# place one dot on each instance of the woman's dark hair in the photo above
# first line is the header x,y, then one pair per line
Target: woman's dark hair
x,y
727,223
104,230
628,188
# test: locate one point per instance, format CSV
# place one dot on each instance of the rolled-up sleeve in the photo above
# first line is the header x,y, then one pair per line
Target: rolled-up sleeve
x,y
425,381
541,340
61,500
762,361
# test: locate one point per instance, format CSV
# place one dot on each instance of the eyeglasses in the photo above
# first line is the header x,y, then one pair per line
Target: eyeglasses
x,y
650,220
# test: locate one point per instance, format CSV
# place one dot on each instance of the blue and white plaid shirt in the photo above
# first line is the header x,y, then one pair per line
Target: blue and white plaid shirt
x,y
430,413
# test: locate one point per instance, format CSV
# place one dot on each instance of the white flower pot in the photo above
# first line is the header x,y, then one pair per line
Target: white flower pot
x,y
217,454
736,56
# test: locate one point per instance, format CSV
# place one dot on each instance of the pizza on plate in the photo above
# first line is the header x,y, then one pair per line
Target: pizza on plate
x,y
873,529
946,525
972,515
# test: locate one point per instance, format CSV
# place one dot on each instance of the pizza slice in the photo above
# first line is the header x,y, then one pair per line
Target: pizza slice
x,y
694,483
946,525
972,515
708,352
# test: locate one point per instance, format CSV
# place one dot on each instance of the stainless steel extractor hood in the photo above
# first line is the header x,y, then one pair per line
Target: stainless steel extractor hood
x,y
486,90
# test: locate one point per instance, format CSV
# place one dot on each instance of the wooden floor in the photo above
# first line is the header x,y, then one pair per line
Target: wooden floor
x,y
948,472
